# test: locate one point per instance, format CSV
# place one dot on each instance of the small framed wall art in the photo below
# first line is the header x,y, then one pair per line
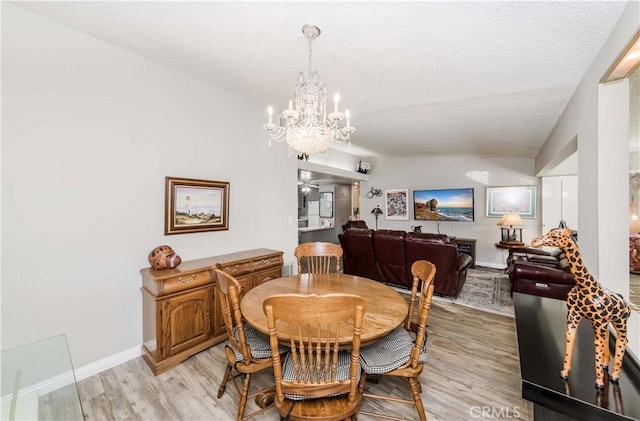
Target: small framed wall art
x,y
518,199
326,204
193,205
397,204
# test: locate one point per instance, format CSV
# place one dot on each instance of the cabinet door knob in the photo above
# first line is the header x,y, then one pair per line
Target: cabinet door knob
x,y
181,279
208,315
193,277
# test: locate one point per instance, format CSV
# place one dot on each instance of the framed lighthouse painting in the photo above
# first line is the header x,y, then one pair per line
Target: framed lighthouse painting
x,y
193,205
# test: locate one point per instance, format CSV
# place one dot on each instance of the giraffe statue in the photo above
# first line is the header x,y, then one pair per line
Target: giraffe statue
x,y
587,299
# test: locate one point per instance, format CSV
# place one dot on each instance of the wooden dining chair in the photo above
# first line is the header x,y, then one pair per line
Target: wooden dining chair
x,y
402,353
318,257
247,350
316,380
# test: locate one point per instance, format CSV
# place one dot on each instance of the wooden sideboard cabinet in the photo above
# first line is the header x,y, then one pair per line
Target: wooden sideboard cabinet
x,y
181,314
250,274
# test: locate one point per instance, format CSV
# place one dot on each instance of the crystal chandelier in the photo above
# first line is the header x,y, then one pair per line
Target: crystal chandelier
x,y
305,124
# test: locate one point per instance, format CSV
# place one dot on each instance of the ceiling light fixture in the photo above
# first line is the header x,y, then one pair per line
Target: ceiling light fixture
x,y
306,125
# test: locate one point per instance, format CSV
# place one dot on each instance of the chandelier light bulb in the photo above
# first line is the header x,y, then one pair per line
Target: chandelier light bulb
x,y
270,112
336,101
347,114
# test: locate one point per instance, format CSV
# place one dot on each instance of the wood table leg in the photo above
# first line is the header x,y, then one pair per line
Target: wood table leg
x,y
266,397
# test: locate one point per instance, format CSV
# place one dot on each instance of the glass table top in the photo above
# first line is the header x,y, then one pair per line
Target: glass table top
x,y
38,382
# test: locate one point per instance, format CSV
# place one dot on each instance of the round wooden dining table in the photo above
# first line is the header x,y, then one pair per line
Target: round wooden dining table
x,y
385,310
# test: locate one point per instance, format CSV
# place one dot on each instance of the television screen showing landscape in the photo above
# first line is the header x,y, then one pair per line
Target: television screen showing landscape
x,y
443,205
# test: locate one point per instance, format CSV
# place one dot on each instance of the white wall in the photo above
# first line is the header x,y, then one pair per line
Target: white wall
x,y
453,172
593,115
337,158
599,161
613,187
89,132
559,202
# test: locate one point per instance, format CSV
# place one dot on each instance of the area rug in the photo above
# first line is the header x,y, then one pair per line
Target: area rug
x,y
485,289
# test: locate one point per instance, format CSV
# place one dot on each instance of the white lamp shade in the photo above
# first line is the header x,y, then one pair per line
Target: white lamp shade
x,y
510,220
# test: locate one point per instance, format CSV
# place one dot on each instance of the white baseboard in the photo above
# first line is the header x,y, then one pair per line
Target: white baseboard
x,y
491,265
67,378
107,363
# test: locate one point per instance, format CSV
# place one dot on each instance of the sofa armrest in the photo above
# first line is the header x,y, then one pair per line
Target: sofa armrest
x,y
549,257
464,261
524,270
526,250
428,237
543,260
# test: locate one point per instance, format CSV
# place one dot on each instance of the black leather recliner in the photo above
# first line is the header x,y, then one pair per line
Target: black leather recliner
x,y
539,272
358,256
388,246
451,265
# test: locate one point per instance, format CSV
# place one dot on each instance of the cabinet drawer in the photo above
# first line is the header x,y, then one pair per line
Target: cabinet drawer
x,y
183,282
237,268
266,262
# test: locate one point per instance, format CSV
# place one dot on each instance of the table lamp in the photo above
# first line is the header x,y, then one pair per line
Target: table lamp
x,y
511,229
377,212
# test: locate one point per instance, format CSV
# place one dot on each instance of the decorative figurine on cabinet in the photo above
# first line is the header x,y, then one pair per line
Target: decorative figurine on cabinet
x,y
588,300
163,257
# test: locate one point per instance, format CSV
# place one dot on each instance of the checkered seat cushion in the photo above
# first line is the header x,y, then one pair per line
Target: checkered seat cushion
x,y
258,343
342,372
389,353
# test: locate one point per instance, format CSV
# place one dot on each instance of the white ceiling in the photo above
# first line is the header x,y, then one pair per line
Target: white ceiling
x,y
485,78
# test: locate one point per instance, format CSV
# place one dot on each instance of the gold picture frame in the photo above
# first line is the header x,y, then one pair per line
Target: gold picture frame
x,y
193,205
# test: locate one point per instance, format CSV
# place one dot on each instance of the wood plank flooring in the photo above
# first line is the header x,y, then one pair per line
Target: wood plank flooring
x,y
472,367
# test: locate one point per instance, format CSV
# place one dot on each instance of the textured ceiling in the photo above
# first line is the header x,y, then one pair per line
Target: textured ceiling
x,y
486,78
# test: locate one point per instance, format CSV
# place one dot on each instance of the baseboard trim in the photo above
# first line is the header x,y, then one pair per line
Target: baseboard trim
x,y
107,363
64,379
490,265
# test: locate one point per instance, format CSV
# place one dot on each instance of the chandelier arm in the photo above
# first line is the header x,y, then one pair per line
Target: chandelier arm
x,y
278,134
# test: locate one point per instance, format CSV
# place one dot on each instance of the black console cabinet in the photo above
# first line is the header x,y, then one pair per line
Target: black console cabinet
x,y
540,324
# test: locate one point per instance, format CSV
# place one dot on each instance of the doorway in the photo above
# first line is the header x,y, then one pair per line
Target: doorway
x,y
625,69
634,189
317,225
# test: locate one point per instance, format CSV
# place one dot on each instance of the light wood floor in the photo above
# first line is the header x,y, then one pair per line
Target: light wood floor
x,y
472,363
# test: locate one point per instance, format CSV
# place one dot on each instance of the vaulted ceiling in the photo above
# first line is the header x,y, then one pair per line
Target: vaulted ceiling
x,y
484,78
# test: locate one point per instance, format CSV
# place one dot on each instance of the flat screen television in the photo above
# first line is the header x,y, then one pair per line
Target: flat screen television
x,y
443,205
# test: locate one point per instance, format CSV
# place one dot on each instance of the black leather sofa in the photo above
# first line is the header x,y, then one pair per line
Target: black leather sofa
x,y
387,256
539,272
